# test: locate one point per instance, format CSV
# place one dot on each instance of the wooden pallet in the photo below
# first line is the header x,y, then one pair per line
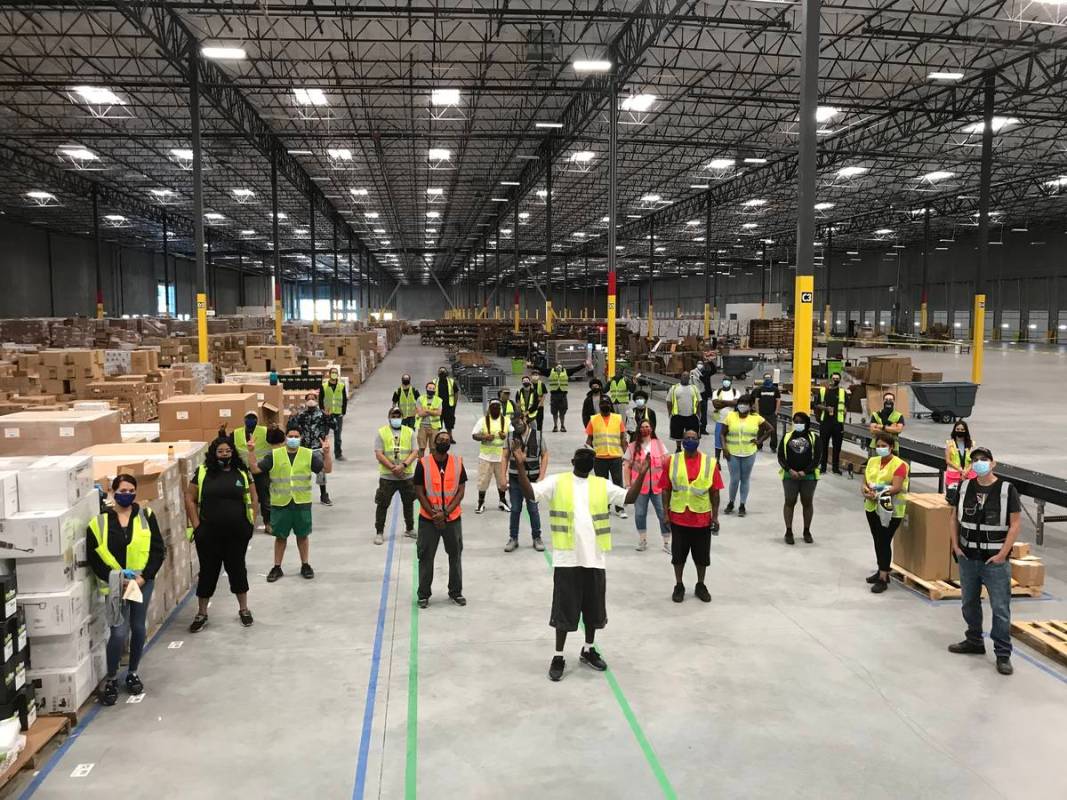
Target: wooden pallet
x,y
40,734
1049,637
950,590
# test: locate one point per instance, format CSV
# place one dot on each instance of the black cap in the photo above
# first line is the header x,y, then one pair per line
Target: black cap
x,y
982,451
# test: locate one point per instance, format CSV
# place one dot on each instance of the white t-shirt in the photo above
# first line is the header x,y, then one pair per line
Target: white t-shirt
x,y
724,394
585,552
479,427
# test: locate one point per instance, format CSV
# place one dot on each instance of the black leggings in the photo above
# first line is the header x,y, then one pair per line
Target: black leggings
x,y
883,539
219,548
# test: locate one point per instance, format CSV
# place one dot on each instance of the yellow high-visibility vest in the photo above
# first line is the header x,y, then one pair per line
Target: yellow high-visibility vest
x,y
696,495
876,474
561,512
606,435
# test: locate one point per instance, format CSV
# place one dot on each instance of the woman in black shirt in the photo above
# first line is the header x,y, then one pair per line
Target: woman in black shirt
x,y
220,502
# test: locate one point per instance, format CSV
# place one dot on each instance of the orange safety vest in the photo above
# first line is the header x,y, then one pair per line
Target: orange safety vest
x,y
441,492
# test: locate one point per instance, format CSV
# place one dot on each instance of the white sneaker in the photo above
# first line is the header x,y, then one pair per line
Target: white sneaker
x,y
667,545
621,514
411,534
642,544
480,509
378,538
503,506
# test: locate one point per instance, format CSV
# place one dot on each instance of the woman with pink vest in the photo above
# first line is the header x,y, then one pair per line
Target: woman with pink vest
x,y
646,445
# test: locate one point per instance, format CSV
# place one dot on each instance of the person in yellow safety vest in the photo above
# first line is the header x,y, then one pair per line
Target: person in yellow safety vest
x,y
887,420
446,390
394,449
406,398
558,382
683,404
528,400
885,492
743,434
541,392
606,434
291,471
258,434
580,523
428,409
690,486
831,408
958,458
507,408
333,400
219,503
124,545
620,388
491,433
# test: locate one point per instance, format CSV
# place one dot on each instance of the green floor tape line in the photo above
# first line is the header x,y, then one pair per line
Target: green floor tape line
x,y
411,766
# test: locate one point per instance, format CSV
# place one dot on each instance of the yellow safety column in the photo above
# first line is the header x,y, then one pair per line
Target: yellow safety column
x,y
201,326
977,337
548,316
802,343
611,324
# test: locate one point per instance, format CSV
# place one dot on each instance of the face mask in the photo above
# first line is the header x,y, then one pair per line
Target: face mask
x,y
442,374
125,499
441,447
406,381
960,435
726,384
742,408
292,442
395,423
583,464
250,423
889,405
700,365
639,402
494,412
526,384
312,403
836,380
224,462
690,445
882,451
799,427
595,390
430,393
559,367
982,467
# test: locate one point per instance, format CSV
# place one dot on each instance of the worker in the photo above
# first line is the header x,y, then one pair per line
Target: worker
x,y
691,484
541,392
887,420
527,400
986,524
428,410
702,375
124,545
314,426
638,413
646,446
530,440
406,398
683,403
333,400
507,408
440,482
606,435
558,381
591,406
743,433
291,469
620,388
219,503
958,459
723,401
885,489
490,432
446,390
768,404
258,434
831,409
798,457
395,452
580,523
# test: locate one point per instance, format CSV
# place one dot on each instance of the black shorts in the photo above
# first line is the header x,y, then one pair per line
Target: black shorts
x,y
557,402
803,488
679,425
686,540
578,591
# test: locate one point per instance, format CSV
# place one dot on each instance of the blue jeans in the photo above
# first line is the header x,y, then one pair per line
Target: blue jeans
x,y
718,436
740,473
974,574
133,625
515,493
641,512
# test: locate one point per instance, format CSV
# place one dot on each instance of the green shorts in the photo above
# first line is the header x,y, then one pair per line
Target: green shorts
x,y
290,519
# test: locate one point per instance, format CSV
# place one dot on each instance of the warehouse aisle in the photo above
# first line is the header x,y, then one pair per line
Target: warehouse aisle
x,y
795,681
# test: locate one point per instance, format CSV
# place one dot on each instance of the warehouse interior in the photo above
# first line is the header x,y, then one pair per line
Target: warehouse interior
x,y
208,208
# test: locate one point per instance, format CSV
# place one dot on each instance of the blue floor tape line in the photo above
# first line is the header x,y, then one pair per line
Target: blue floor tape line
x,y
376,660
80,728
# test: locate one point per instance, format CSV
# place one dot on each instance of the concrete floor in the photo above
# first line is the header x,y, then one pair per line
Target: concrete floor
x,y
794,682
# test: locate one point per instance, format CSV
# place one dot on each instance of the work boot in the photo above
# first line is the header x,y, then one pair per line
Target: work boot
x,y
807,537
134,684
702,593
306,571
729,508
274,574
741,510
511,546
678,595
789,538
967,648
1004,666
110,695
879,586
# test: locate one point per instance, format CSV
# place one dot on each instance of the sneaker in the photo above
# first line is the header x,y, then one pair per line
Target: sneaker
x,y
134,684
411,534
562,430
423,603
879,586
807,537
274,574
642,544
555,430
621,513
678,595
555,669
715,528
325,500
379,538
967,648
1004,666
741,510
110,695
591,657
702,593
459,600
306,571
268,529
729,508
199,623
538,545
338,457
480,509
246,618
511,546
667,546
789,538
503,505
873,578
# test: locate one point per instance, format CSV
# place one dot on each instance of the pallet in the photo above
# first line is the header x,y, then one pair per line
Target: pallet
x,y
40,734
1048,637
950,590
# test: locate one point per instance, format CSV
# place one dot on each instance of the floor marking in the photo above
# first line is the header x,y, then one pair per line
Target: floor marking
x,y
135,698
411,764
175,645
82,770
376,659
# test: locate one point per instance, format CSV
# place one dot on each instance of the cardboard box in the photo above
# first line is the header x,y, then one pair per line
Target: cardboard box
x,y
1028,571
57,432
1020,550
189,455
9,493
900,394
15,636
265,393
66,650
55,483
57,613
889,369
226,410
62,690
922,544
37,575
220,388
180,413
14,677
48,534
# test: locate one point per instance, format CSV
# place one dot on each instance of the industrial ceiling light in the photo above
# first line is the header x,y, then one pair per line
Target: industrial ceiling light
x,y
339,153
98,96
524,215
182,153
435,191
358,192
439,154
282,215
498,200
310,97
248,232
214,216
755,160
372,215
851,172
223,52
433,215
582,156
823,206
243,195
750,225
720,163
883,232
638,103
445,97
997,124
937,175
79,153
944,76
1057,182
162,195
698,186
115,219
550,125
693,223
824,113
650,198
510,183
300,152
591,65
754,203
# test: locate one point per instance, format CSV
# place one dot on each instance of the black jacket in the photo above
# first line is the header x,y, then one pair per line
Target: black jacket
x,y
116,544
589,410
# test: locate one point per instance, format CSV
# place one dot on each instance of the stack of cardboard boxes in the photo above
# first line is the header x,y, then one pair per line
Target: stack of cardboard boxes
x,y
199,417
16,692
57,432
264,358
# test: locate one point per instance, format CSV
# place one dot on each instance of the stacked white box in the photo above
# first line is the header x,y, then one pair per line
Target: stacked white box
x,y
63,689
56,483
57,613
48,534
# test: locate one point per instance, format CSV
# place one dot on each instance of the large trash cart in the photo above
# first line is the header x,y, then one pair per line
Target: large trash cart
x,y
947,401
